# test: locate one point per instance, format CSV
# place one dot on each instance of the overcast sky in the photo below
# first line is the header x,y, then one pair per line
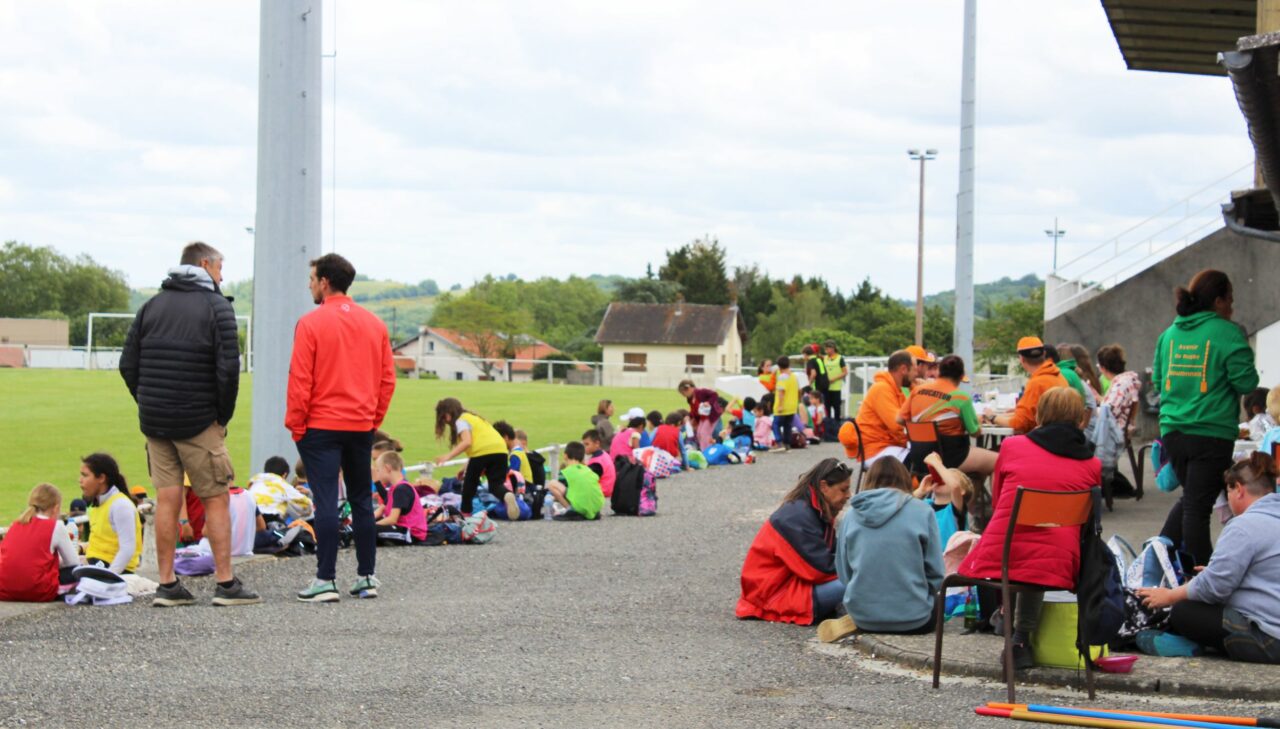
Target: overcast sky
x,y
566,137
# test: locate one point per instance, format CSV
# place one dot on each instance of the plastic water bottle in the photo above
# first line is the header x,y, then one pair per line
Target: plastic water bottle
x,y
548,507
73,532
970,611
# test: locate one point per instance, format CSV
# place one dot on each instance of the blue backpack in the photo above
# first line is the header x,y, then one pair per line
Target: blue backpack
x,y
1166,479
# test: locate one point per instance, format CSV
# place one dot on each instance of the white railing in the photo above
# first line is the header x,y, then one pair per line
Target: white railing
x,y
427,468
144,509
1140,246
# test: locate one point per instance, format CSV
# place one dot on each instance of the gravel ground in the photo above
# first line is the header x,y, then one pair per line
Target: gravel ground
x,y
623,622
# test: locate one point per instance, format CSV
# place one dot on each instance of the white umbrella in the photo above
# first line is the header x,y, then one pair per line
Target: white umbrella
x,y
741,387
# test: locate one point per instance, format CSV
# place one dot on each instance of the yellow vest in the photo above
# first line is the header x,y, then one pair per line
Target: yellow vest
x,y
526,472
103,542
485,441
833,369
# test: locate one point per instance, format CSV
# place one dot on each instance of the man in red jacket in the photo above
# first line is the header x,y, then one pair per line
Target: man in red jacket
x,y
341,379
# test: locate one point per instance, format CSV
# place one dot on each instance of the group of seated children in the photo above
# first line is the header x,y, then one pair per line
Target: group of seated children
x,y
38,551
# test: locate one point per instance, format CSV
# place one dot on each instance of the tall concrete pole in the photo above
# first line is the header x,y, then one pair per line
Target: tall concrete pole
x,y
920,262
287,226
965,197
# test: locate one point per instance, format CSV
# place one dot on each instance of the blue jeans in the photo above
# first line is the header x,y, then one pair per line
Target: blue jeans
x,y
827,599
324,453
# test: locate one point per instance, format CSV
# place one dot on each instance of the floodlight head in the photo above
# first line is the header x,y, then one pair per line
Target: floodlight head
x,y
913,152
931,152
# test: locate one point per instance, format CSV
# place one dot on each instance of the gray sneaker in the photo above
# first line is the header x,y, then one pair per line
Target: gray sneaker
x,y
366,587
173,596
237,594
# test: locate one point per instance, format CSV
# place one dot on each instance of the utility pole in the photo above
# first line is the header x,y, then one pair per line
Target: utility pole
x,y
1055,234
965,196
916,155
287,227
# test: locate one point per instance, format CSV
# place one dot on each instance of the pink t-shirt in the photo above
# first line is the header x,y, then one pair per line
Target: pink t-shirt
x,y
621,445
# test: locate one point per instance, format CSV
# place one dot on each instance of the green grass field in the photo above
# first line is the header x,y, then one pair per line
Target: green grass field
x,y
51,418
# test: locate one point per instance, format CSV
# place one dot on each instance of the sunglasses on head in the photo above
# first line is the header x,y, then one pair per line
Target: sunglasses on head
x,y
837,473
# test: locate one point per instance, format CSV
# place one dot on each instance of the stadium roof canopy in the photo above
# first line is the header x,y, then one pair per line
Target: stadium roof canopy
x,y
1179,36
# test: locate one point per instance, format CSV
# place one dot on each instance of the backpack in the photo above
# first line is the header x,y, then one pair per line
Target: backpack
x,y
443,532
1162,466
627,487
717,454
648,496
537,468
798,439
1099,594
478,528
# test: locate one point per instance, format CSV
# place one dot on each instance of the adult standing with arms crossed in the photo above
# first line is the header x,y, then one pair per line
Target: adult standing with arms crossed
x,y
341,379
181,362
1203,364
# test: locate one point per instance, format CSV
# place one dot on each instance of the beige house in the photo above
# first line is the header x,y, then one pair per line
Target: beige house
x,y
34,332
658,345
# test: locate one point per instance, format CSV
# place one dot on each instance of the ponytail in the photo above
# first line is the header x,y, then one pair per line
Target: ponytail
x,y
43,498
102,464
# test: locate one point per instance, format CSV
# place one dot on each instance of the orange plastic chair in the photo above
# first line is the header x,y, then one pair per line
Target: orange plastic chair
x,y
1035,508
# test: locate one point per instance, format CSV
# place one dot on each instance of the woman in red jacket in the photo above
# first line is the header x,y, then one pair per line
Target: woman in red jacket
x,y
705,410
789,575
1053,457
34,549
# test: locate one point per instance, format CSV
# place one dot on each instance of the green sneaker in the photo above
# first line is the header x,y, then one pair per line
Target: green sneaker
x,y
365,587
320,591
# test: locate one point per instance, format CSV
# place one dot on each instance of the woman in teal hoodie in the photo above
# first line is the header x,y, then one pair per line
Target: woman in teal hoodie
x,y
1203,364
889,556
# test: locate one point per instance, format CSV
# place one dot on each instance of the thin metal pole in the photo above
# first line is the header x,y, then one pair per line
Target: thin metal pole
x,y
965,196
920,263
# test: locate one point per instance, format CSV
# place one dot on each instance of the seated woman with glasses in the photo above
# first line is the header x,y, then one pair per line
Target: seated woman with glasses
x,y
789,575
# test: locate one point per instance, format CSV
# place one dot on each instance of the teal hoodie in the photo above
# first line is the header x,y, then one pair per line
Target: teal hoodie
x,y
1203,365
889,557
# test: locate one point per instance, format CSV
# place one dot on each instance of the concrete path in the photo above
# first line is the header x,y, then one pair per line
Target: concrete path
x,y
626,622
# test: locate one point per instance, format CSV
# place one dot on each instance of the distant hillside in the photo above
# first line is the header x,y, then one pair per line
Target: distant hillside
x,y
987,295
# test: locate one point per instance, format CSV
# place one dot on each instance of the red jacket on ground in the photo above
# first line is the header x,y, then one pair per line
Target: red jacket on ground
x,y
342,375
793,551
1042,556
28,567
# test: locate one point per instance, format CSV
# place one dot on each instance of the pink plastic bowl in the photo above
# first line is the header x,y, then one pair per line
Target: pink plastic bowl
x,y
1117,664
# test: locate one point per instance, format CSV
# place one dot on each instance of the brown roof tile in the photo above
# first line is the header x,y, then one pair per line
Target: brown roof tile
x,y
683,324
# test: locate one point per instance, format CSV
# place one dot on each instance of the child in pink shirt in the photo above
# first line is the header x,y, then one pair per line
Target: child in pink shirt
x,y
596,455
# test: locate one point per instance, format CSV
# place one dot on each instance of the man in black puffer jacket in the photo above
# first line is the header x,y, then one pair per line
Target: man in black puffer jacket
x,y
181,362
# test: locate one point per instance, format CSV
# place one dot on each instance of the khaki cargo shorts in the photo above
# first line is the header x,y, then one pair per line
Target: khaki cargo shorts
x,y
203,458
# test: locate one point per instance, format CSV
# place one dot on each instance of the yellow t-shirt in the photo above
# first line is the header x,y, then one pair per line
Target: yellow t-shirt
x,y
485,441
786,394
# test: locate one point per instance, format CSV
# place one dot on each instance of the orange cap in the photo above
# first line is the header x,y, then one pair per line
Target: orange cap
x,y
919,353
1030,343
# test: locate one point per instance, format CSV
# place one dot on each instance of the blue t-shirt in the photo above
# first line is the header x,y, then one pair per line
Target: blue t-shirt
x,y
1269,440
948,520
646,438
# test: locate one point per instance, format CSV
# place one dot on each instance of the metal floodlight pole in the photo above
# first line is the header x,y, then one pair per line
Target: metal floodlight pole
x,y
965,195
915,154
1055,234
286,230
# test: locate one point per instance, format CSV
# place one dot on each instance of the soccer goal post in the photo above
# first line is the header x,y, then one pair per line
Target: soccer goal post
x,y
90,363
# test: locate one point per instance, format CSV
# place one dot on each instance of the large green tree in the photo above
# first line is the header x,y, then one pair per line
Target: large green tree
x,y
996,337
699,268
39,280
790,314
489,331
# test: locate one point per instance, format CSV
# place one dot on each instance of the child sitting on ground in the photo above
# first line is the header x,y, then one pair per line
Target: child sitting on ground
x,y
276,498
667,436
628,439
115,531
815,419
763,436
578,490
519,459
300,478
596,456
246,522
948,494
1260,420
654,419
1272,436
37,554
402,520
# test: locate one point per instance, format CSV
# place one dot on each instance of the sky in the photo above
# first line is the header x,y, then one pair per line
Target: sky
x,y
566,136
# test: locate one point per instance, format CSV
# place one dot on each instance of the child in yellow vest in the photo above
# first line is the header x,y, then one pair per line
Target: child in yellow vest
x,y
578,489
115,531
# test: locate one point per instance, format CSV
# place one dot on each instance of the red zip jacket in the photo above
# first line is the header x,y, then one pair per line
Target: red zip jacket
x,y
341,376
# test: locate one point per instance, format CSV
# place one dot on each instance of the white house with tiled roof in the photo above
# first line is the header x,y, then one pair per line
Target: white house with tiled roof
x,y
658,345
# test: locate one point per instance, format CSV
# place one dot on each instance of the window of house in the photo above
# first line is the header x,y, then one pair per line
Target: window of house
x,y
431,346
635,362
457,375
695,363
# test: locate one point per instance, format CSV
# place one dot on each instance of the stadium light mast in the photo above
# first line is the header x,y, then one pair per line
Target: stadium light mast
x,y
286,229
963,341
927,155
1055,234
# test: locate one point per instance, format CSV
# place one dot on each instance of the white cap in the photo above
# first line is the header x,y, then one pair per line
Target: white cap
x,y
631,414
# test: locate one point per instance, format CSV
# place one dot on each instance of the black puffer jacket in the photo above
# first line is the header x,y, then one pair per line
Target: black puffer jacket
x,y
181,359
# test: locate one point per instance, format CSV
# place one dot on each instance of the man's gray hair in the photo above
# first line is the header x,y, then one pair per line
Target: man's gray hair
x,y
196,252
